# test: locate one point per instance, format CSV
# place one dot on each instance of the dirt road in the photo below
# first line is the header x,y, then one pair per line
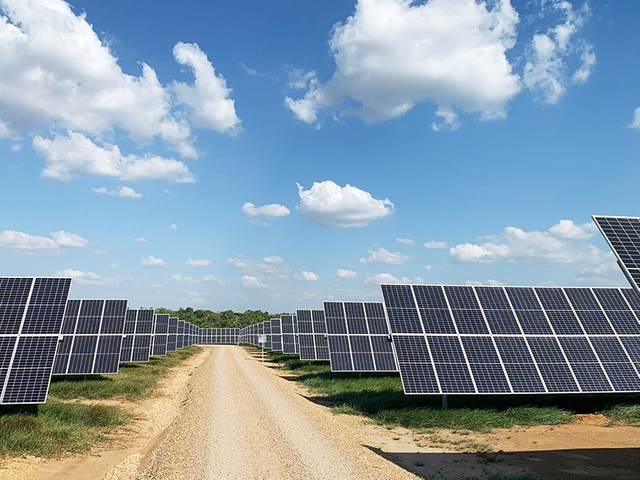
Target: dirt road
x,y
244,421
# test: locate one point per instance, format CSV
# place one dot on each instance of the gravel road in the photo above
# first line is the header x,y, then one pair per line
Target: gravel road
x,y
243,421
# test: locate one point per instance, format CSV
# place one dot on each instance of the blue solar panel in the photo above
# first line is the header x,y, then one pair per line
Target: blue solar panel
x,y
276,335
515,339
160,335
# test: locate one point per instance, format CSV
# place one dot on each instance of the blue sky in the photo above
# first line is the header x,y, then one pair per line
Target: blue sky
x,y
155,153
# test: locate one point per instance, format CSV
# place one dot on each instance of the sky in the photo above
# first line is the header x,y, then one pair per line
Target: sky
x,y
274,155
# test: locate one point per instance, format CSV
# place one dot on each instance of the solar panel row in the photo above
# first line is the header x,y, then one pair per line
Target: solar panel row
x,y
218,336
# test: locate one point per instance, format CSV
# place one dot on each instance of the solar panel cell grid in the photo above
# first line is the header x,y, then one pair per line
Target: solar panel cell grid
x,y
542,339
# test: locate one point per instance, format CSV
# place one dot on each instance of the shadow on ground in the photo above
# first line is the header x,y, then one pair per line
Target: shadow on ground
x,y
588,464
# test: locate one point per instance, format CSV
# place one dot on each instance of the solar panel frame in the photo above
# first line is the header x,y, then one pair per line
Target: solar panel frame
x,y
536,360
373,332
31,315
93,338
623,236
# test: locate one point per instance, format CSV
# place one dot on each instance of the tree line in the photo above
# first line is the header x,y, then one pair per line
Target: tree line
x,y
226,319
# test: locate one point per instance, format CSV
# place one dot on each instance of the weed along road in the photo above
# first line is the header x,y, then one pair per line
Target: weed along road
x,y
244,420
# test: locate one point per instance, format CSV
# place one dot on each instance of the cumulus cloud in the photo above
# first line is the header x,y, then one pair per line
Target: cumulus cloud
x,y
172,228
57,75
69,156
393,54
178,278
140,240
547,72
200,262
428,267
85,278
273,210
635,123
121,192
273,259
433,244
380,278
26,243
384,256
151,261
330,205
208,101
215,280
489,282
342,273
565,243
306,276
252,282
405,241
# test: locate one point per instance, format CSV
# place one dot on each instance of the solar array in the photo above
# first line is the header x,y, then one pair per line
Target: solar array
x,y
312,335
218,336
623,236
359,338
138,329
31,314
494,340
91,337
160,334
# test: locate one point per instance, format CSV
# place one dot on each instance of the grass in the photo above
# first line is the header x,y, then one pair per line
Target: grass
x,y
381,398
56,428
134,381
623,415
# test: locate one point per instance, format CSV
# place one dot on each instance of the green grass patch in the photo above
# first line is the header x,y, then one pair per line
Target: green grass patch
x,y
56,428
134,381
381,398
623,415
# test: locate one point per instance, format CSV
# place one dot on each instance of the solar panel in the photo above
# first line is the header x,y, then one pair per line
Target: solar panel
x,y
31,315
312,335
276,335
160,335
358,336
623,236
180,336
172,337
91,337
267,332
498,340
288,334
136,344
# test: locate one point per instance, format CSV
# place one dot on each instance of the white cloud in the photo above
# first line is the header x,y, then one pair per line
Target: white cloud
x,y
405,241
184,279
428,267
270,211
636,119
85,278
448,119
252,282
563,244
140,240
309,296
172,228
546,71
66,239
151,261
384,256
274,259
433,245
330,205
208,101
489,282
193,296
75,154
26,243
215,280
200,262
379,278
342,273
271,266
392,54
299,79
252,71
121,192
57,74
306,276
